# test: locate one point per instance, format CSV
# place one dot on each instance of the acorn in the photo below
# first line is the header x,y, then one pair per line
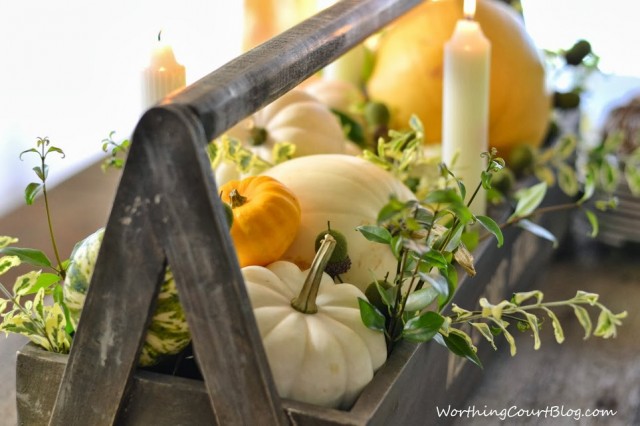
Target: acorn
x,y
339,262
377,114
566,100
577,53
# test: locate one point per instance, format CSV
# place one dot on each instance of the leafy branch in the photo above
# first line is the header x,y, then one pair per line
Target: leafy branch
x,y
489,321
119,151
48,326
45,325
42,150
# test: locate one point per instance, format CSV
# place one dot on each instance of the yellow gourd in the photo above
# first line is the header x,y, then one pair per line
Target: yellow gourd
x,y
266,217
408,72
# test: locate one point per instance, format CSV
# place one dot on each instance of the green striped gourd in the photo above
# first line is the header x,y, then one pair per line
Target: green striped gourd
x,y
168,333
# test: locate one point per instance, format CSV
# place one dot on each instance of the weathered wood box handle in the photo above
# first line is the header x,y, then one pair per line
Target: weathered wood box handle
x,y
167,210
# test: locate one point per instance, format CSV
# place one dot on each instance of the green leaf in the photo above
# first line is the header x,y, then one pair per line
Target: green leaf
x,y
377,234
459,346
585,297
31,256
486,332
420,299
567,179
557,327
589,188
491,226
485,179
422,328
28,150
518,298
371,317
632,175
392,208
41,173
593,221
283,151
55,149
25,283
437,282
58,297
585,320
6,241
529,199
352,129
31,191
534,327
502,325
538,230
443,196
545,174
565,147
8,262
609,176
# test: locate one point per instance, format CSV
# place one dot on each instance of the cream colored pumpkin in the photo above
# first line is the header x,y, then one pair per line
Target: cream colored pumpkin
x,y
297,118
324,358
337,94
347,191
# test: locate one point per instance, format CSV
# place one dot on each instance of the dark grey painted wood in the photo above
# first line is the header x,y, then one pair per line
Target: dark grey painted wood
x,y
189,220
117,309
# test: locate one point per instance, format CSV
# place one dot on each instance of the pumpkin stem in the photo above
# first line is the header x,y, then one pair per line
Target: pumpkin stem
x,y
306,300
237,200
257,136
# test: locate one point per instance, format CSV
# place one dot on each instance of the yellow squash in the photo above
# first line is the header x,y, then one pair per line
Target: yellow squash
x,y
408,72
266,217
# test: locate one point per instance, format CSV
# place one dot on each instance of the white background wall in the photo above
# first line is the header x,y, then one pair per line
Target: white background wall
x,y
70,70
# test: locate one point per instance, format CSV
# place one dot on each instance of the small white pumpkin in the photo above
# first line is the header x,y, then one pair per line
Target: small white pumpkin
x,y
347,192
337,94
318,349
297,118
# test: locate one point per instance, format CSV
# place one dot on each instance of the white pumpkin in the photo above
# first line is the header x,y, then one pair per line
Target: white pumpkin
x,y
318,349
297,118
336,94
346,191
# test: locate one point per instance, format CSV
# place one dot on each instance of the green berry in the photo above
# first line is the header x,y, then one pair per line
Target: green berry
x,y
377,114
566,100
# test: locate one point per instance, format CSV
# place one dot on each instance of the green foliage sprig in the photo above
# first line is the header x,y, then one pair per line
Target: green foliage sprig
x,y
48,326
427,239
231,152
118,154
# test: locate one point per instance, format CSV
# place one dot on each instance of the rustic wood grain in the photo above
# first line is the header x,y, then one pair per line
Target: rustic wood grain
x,y
189,220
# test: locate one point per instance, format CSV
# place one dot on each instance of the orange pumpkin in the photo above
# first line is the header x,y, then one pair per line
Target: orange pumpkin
x,y
266,218
408,72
